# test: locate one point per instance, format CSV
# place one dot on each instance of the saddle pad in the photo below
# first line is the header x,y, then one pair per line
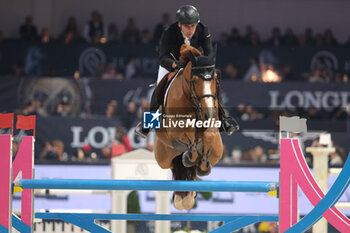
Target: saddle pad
x,y
167,90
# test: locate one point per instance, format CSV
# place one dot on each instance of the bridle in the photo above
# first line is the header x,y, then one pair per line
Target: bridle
x,y
206,73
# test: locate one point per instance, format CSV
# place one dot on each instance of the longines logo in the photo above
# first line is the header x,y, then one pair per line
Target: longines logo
x,y
89,61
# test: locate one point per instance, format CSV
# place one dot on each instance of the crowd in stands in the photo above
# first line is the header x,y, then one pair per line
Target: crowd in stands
x,y
97,32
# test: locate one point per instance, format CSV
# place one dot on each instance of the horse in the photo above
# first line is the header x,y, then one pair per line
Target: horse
x,y
192,147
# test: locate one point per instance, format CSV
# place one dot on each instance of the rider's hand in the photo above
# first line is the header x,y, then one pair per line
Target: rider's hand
x,y
179,65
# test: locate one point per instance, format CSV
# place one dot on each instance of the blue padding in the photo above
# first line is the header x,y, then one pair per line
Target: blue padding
x,y
3,229
19,225
331,198
166,217
155,185
86,221
244,221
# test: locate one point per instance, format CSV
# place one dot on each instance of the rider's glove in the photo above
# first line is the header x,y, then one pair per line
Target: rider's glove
x,y
179,65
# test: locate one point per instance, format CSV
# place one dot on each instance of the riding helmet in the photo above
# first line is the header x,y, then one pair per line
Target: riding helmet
x,y
187,14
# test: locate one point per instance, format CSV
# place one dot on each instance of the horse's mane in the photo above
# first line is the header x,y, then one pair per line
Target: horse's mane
x,y
185,50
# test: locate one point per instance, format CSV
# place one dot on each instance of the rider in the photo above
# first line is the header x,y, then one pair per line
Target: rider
x,y
187,30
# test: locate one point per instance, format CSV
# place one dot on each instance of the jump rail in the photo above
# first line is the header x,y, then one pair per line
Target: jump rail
x,y
155,185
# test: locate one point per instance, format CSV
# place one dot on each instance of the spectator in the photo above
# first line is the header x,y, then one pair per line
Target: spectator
x,y
113,33
258,155
240,111
146,37
131,34
338,113
336,158
338,76
165,23
112,109
223,41
144,106
69,37
111,73
129,117
276,39
71,28
45,36
64,108
254,39
106,152
122,138
309,37
329,39
231,72
28,31
46,153
314,114
29,109
319,40
94,29
251,114
287,73
130,69
54,151
253,74
290,38
234,38
248,32
315,76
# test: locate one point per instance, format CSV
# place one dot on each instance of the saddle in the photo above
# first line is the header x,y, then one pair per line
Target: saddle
x,y
163,86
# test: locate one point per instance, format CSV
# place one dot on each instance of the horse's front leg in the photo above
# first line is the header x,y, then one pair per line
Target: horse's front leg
x,y
189,157
210,154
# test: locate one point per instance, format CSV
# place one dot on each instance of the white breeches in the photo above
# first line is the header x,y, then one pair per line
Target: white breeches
x,y
161,73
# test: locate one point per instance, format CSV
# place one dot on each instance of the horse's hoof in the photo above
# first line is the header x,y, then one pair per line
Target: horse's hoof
x,y
189,200
178,202
186,159
200,172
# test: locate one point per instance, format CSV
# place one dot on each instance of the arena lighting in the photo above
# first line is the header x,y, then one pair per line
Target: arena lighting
x,y
270,76
103,40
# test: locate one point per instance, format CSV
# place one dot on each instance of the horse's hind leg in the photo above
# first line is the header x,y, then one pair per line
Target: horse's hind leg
x,y
183,200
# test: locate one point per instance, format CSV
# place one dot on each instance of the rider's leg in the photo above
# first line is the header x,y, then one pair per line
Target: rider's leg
x,y
154,105
226,126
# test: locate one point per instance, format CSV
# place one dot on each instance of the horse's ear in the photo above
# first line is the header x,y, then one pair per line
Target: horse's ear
x,y
192,57
212,55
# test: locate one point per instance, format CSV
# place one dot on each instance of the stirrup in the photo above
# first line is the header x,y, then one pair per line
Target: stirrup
x,y
139,130
231,128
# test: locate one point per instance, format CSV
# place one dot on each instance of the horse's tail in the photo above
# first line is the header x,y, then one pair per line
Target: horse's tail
x,y
180,172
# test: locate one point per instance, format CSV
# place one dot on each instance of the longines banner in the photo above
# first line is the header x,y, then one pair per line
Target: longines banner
x,y
74,131
65,60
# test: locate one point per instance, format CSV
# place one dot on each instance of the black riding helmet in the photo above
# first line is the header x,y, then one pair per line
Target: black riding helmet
x,y
187,15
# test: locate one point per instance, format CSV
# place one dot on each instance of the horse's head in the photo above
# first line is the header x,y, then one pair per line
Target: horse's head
x,y
200,73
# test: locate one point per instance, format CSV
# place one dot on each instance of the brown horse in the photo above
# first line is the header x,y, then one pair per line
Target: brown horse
x,y
193,146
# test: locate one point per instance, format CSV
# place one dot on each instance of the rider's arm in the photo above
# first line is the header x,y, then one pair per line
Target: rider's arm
x,y
206,41
165,58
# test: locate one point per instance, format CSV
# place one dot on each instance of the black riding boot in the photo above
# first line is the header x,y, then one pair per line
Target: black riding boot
x,y
153,107
226,126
